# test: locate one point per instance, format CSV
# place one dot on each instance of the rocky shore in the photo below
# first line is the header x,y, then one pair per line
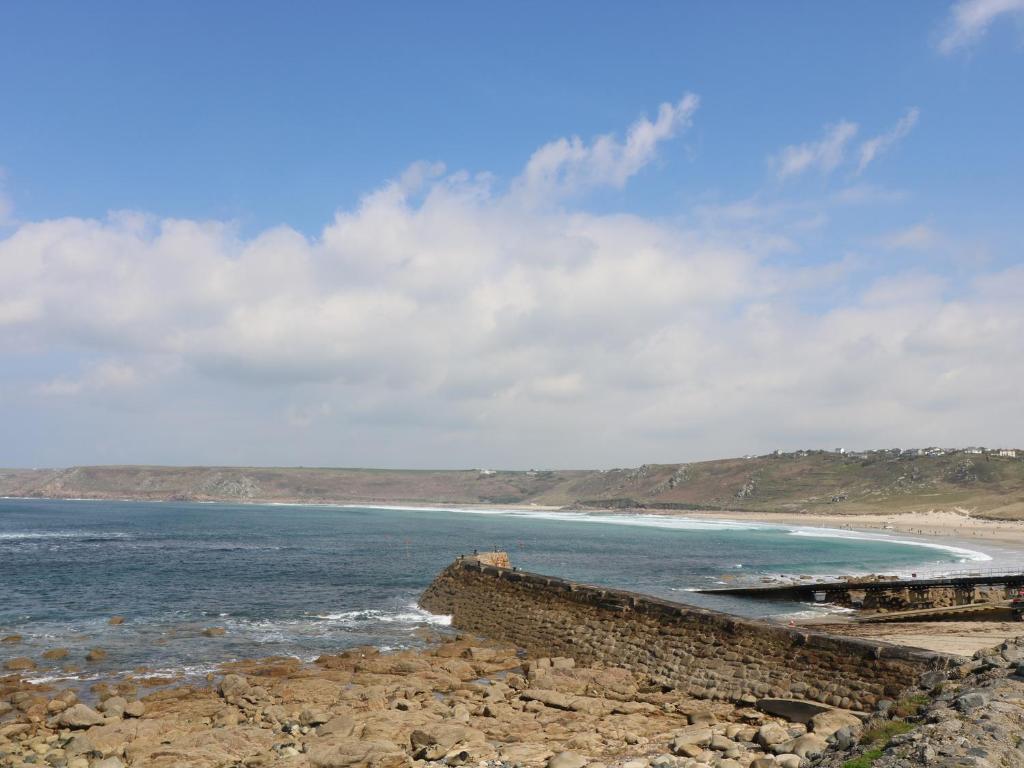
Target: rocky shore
x,y
465,702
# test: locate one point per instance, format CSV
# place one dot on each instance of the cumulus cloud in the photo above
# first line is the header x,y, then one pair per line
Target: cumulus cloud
x,y
823,155
873,147
442,322
568,166
969,20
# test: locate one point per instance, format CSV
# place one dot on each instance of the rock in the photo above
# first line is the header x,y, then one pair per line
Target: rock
x,y
11,639
78,762
233,686
55,654
771,734
115,620
79,716
720,743
134,709
764,762
19,664
693,734
110,762
702,717
810,745
788,761
521,754
356,753
972,700
933,679
314,717
435,741
567,760
214,631
827,723
96,654
114,706
341,726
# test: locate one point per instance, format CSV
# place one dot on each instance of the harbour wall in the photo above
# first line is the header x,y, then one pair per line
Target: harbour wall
x,y
705,653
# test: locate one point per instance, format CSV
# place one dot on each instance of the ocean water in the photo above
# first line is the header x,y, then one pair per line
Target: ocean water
x,y
306,580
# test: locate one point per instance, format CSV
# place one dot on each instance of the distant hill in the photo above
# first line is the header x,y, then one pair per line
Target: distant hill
x,y
813,481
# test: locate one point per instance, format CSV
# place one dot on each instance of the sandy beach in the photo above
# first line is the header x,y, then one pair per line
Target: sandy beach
x,y
952,525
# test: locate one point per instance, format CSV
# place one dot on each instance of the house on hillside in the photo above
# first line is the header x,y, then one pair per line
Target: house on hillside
x,y
1008,452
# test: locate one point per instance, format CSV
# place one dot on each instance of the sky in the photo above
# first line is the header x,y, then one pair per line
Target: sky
x,y
569,235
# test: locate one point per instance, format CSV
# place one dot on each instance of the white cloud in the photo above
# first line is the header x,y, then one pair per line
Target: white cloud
x,y
442,322
823,155
6,204
969,20
106,377
568,166
919,237
873,147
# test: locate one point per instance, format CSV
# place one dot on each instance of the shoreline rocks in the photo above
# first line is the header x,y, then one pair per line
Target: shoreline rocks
x,y
463,702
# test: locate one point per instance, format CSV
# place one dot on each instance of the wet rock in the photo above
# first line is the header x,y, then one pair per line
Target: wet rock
x,y
55,654
115,620
96,654
11,639
19,664
214,631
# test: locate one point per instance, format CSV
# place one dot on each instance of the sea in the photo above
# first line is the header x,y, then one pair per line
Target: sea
x,y
302,580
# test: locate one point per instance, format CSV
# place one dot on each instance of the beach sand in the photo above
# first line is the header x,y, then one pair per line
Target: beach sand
x,y
950,525
962,638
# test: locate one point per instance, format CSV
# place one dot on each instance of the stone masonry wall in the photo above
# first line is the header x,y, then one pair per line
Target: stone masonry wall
x,y
705,653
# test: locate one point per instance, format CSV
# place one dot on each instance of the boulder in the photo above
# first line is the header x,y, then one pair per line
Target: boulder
x,y
214,631
134,709
115,620
771,734
824,724
810,745
79,716
96,654
55,654
114,706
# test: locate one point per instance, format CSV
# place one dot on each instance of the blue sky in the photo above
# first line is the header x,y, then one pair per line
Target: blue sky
x,y
189,188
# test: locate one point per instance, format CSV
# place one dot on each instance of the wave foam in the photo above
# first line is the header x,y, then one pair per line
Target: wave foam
x,y
835,533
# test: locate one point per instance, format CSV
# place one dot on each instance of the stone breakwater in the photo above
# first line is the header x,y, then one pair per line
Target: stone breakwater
x,y
709,655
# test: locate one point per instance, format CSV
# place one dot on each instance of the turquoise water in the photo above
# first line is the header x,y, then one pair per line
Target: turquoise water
x,y
303,580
